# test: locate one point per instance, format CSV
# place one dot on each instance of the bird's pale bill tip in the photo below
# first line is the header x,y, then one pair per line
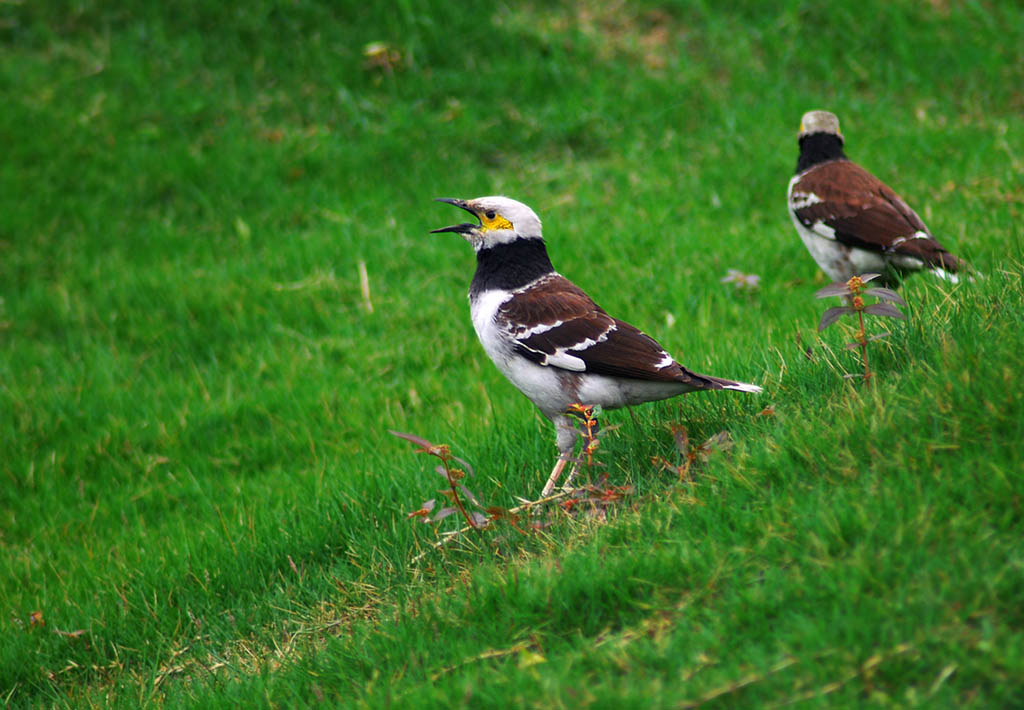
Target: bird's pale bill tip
x,y
449,200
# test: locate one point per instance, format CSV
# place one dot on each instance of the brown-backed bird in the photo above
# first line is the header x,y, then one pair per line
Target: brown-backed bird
x,y
548,337
850,221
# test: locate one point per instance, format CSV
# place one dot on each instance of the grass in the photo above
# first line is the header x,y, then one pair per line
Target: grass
x,y
200,505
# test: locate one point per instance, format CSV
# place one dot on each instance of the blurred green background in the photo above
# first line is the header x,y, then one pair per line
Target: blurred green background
x,y
195,387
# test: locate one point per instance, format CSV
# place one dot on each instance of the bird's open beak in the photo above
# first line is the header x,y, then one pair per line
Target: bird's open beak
x,y
465,227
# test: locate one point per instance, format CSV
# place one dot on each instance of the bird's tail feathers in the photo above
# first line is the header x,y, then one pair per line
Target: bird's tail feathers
x,y
717,383
970,274
952,268
945,275
742,387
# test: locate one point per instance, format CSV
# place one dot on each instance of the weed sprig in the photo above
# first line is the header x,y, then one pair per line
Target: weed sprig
x,y
597,495
853,292
453,477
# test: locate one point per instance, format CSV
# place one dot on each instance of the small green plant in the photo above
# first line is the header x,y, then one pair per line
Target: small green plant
x,y
853,292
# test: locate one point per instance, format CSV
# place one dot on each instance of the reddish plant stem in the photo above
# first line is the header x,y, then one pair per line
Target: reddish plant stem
x,y
862,338
587,441
455,496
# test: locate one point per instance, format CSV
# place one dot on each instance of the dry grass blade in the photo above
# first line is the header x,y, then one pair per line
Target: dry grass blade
x,y
491,653
364,286
862,670
737,685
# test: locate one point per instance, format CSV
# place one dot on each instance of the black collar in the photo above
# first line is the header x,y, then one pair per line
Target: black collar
x,y
510,266
819,148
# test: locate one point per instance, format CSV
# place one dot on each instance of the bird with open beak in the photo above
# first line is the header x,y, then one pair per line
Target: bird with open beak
x,y
549,338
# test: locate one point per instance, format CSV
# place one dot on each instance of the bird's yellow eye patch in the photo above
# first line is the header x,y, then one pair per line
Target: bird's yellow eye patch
x,y
493,220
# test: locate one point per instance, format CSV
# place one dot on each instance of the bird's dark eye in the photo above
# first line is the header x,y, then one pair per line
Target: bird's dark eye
x,y
490,215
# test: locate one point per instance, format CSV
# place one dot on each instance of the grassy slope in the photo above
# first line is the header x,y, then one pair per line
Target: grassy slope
x,y
194,398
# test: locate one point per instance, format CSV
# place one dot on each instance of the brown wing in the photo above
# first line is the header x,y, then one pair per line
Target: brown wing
x,y
861,211
555,323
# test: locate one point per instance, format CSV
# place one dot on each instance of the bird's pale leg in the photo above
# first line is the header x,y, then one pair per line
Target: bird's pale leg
x,y
572,474
565,439
555,473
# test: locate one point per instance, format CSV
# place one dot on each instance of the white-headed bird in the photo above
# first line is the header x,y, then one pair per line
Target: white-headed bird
x,y
549,338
